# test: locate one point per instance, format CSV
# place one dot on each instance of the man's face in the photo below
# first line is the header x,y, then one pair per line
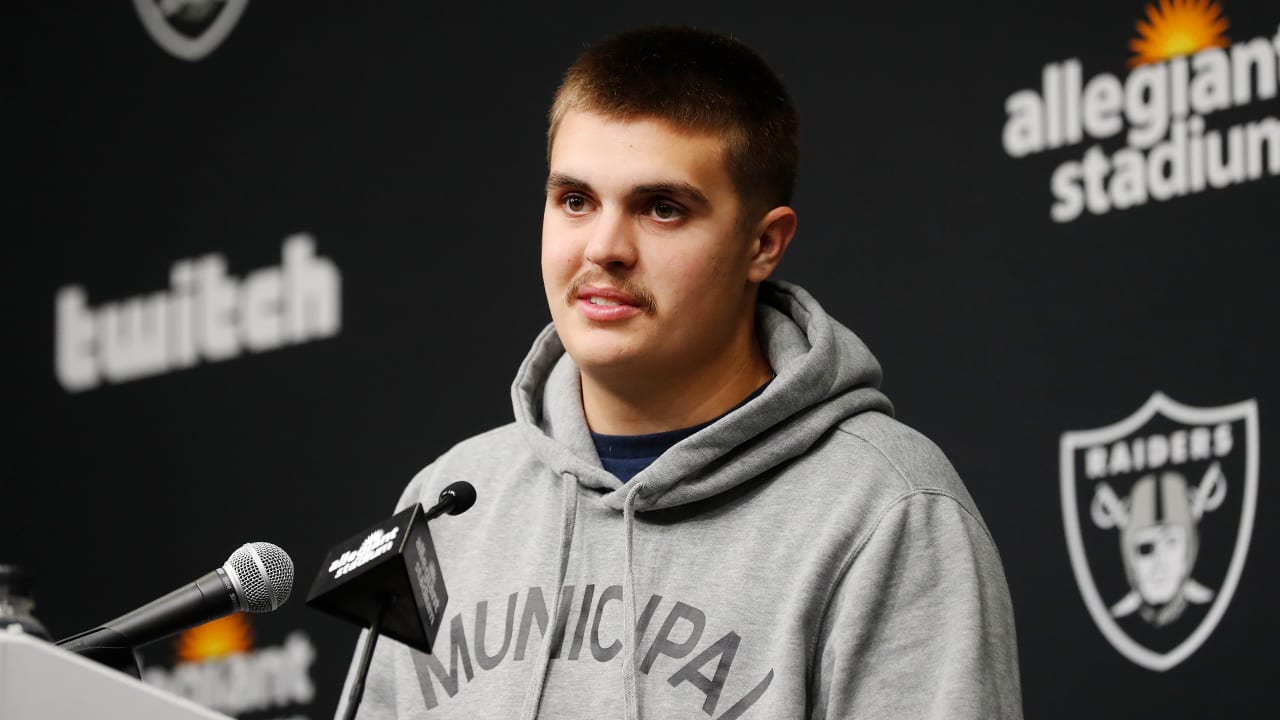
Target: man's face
x,y
1159,559
644,261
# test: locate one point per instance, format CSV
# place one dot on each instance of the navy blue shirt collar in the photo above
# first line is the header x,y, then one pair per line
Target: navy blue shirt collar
x,y
626,455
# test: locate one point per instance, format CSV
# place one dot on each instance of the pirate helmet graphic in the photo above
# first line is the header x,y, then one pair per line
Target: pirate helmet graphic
x,y
1158,546
1159,540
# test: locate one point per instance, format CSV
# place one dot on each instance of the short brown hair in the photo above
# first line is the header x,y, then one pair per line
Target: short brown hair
x,y
699,81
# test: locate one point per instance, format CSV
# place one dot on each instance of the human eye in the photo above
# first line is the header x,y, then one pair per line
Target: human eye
x,y
575,203
666,211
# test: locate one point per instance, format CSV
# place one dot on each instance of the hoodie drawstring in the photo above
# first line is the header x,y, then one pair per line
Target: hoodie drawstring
x,y
569,516
630,691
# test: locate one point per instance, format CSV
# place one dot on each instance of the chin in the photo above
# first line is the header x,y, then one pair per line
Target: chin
x,y
598,359
594,356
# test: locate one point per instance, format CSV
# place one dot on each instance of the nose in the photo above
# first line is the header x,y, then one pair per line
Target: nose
x,y
612,244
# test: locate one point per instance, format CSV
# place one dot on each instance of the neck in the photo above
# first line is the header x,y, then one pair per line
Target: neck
x,y
680,398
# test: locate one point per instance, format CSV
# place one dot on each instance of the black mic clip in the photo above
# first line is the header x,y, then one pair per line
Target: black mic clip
x,y
106,646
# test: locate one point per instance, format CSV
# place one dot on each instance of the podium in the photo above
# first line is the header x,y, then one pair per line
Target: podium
x,y
39,681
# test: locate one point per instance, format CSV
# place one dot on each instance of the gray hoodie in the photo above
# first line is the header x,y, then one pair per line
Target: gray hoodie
x,y
805,556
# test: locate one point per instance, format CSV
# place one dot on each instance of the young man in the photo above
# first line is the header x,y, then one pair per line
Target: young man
x,y
703,507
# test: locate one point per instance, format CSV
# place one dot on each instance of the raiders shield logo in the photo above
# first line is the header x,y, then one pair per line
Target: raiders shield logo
x,y
189,29
1158,510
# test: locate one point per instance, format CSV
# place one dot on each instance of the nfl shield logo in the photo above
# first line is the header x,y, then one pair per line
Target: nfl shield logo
x,y
1158,510
189,29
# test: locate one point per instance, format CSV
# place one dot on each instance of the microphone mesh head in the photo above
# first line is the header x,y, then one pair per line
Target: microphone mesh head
x,y
464,496
265,574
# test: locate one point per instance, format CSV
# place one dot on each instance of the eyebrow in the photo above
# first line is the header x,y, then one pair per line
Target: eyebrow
x,y
560,181
681,190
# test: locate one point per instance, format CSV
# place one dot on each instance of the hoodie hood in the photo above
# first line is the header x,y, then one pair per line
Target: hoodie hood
x,y
824,375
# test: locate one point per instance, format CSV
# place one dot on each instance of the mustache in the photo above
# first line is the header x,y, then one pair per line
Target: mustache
x,y
644,299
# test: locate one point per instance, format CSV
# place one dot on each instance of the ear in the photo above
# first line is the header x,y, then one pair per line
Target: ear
x,y
772,236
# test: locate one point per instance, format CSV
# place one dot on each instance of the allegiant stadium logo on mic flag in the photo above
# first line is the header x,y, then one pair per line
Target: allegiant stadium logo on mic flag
x,y
1184,75
375,545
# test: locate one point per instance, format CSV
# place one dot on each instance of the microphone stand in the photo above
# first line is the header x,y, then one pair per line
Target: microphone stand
x,y
362,670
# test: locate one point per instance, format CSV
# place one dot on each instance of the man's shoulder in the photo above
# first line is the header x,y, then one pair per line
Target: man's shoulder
x,y
902,459
497,439
477,456
502,446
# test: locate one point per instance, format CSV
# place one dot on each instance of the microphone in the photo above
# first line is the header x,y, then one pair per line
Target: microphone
x,y
257,578
455,499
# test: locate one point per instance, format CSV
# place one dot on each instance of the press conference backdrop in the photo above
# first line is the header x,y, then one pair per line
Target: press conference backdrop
x,y
271,258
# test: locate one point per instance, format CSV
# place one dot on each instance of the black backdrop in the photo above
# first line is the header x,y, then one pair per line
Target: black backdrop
x,y
407,140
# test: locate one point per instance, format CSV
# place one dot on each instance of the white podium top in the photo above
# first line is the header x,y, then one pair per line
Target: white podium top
x,y
38,681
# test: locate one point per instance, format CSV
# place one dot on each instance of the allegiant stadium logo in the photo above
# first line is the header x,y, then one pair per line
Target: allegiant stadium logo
x,y
1183,72
216,665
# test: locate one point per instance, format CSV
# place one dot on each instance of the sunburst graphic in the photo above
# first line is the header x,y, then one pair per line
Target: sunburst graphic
x,y
1178,27
226,636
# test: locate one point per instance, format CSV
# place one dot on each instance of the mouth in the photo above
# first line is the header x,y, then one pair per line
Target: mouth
x,y
604,296
603,304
